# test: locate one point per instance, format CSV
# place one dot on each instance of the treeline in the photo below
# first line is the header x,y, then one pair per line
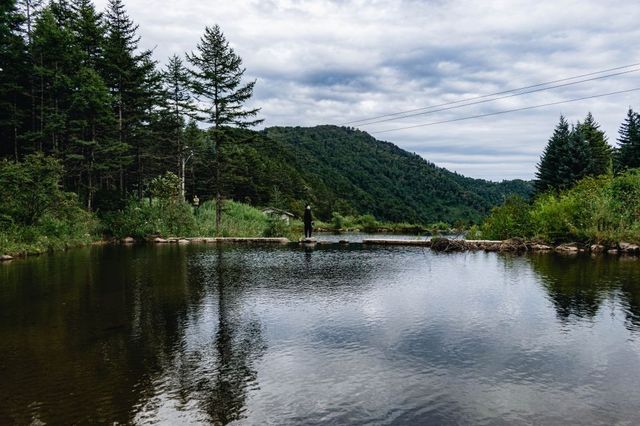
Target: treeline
x,y
77,86
586,190
577,151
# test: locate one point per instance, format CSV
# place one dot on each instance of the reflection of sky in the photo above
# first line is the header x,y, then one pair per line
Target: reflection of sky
x,y
401,335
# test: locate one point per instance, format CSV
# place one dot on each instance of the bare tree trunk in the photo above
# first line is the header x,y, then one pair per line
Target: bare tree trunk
x,y
218,190
183,166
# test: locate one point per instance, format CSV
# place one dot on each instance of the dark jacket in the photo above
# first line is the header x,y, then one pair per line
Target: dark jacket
x,y
307,217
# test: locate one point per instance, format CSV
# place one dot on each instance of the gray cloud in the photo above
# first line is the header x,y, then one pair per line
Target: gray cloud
x,y
329,62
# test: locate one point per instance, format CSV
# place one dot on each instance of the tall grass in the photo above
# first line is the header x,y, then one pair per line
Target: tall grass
x,y
145,219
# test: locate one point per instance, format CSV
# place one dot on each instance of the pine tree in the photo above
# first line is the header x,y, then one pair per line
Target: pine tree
x,y
576,162
14,67
131,78
218,82
89,32
90,125
628,153
181,107
600,161
550,166
56,58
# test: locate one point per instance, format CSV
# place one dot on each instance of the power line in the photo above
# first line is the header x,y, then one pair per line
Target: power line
x,y
498,98
489,95
506,111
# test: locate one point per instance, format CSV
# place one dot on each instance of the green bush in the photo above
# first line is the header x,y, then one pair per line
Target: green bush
x,y
36,215
337,221
141,219
368,223
238,220
512,219
604,209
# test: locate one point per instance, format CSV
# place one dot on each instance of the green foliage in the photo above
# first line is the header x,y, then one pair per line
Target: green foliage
x,y
512,219
573,154
628,153
239,220
29,189
142,219
166,188
35,214
602,209
337,221
368,223
276,227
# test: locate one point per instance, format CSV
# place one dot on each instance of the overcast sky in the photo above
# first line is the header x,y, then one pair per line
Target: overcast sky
x,y
330,62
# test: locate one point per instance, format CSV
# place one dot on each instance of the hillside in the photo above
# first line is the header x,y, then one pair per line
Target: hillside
x,y
348,171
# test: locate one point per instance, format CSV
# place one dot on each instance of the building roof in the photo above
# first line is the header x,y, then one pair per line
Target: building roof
x,y
269,210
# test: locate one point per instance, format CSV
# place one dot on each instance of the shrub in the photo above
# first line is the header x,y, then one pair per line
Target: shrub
x,y
512,219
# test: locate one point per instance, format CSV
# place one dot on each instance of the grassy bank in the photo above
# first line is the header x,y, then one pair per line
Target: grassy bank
x,y
144,219
597,210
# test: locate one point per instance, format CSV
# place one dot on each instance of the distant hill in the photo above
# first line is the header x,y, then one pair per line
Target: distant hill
x,y
348,171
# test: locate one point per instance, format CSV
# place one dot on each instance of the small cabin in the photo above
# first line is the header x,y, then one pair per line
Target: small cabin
x,y
283,215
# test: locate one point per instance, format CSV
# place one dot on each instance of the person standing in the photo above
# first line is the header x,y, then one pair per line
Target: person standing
x,y
308,221
196,204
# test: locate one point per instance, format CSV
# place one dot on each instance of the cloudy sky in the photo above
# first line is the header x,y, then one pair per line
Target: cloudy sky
x,y
331,62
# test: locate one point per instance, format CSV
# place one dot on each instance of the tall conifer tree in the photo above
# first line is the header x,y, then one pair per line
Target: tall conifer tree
x,y
180,106
628,153
218,82
550,165
600,160
129,74
14,69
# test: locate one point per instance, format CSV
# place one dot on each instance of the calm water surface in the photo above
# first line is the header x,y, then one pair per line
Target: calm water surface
x,y
202,334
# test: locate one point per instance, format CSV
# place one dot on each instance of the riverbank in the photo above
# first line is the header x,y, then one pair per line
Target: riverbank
x,y
602,211
437,244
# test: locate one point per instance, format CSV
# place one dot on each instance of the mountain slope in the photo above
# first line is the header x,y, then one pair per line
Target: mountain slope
x,y
350,172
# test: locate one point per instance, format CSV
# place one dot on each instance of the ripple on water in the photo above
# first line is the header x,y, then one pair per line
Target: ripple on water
x,y
331,335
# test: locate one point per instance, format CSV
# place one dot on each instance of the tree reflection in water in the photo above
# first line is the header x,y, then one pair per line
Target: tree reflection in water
x,y
238,342
579,285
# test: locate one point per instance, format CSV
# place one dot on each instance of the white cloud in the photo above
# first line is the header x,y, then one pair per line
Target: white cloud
x,y
328,62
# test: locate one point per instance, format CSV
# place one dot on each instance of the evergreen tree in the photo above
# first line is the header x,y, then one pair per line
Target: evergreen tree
x,y
600,160
628,153
130,76
218,82
56,60
89,32
14,67
551,164
91,125
577,157
180,106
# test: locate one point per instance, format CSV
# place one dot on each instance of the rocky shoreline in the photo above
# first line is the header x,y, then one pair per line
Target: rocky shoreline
x,y
440,244
518,245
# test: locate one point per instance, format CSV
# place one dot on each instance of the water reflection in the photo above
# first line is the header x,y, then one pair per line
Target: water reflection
x,y
202,334
580,286
238,343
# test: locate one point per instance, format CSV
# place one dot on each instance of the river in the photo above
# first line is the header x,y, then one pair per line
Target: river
x,y
340,335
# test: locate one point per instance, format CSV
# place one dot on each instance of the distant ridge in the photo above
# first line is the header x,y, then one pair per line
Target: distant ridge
x,y
340,169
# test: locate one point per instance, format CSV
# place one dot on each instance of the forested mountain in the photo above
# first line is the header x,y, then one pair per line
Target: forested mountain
x,y
344,170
